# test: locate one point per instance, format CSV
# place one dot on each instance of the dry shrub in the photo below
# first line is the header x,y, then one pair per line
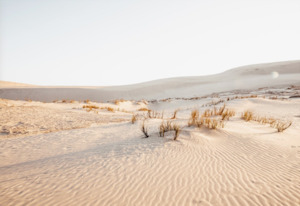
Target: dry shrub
x,y
87,101
281,126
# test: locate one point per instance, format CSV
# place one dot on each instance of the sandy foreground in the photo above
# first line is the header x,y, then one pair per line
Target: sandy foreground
x,y
68,153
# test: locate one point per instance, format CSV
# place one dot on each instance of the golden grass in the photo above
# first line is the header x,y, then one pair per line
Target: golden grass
x,y
247,115
143,109
194,117
133,118
90,107
280,125
169,126
118,101
209,117
227,113
174,114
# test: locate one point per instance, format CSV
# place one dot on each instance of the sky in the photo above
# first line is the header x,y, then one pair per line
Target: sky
x,y
119,42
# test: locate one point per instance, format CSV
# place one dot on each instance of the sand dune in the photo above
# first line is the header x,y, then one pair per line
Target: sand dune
x,y
248,77
64,153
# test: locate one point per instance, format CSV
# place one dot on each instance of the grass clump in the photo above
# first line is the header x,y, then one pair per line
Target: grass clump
x,y
247,115
169,126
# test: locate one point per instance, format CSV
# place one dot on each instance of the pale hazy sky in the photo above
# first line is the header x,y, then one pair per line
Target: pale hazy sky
x,y
114,42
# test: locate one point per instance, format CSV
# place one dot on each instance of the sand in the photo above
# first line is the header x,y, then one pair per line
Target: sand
x,y
63,154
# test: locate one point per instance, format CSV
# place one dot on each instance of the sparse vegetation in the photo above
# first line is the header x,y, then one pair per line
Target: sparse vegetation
x,y
275,123
209,117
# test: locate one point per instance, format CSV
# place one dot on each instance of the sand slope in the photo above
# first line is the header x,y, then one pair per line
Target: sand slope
x,y
245,163
248,77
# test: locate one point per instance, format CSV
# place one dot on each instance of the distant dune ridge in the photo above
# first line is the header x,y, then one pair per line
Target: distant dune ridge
x,y
241,78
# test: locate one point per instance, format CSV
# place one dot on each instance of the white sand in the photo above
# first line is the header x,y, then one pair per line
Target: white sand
x,y
100,158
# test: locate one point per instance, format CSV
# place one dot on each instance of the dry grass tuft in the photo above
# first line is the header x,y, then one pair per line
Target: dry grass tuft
x,y
281,126
247,115
90,107
206,118
177,130
174,114
143,109
87,101
118,101
227,113
169,126
133,118
155,115
194,117
145,130
110,109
